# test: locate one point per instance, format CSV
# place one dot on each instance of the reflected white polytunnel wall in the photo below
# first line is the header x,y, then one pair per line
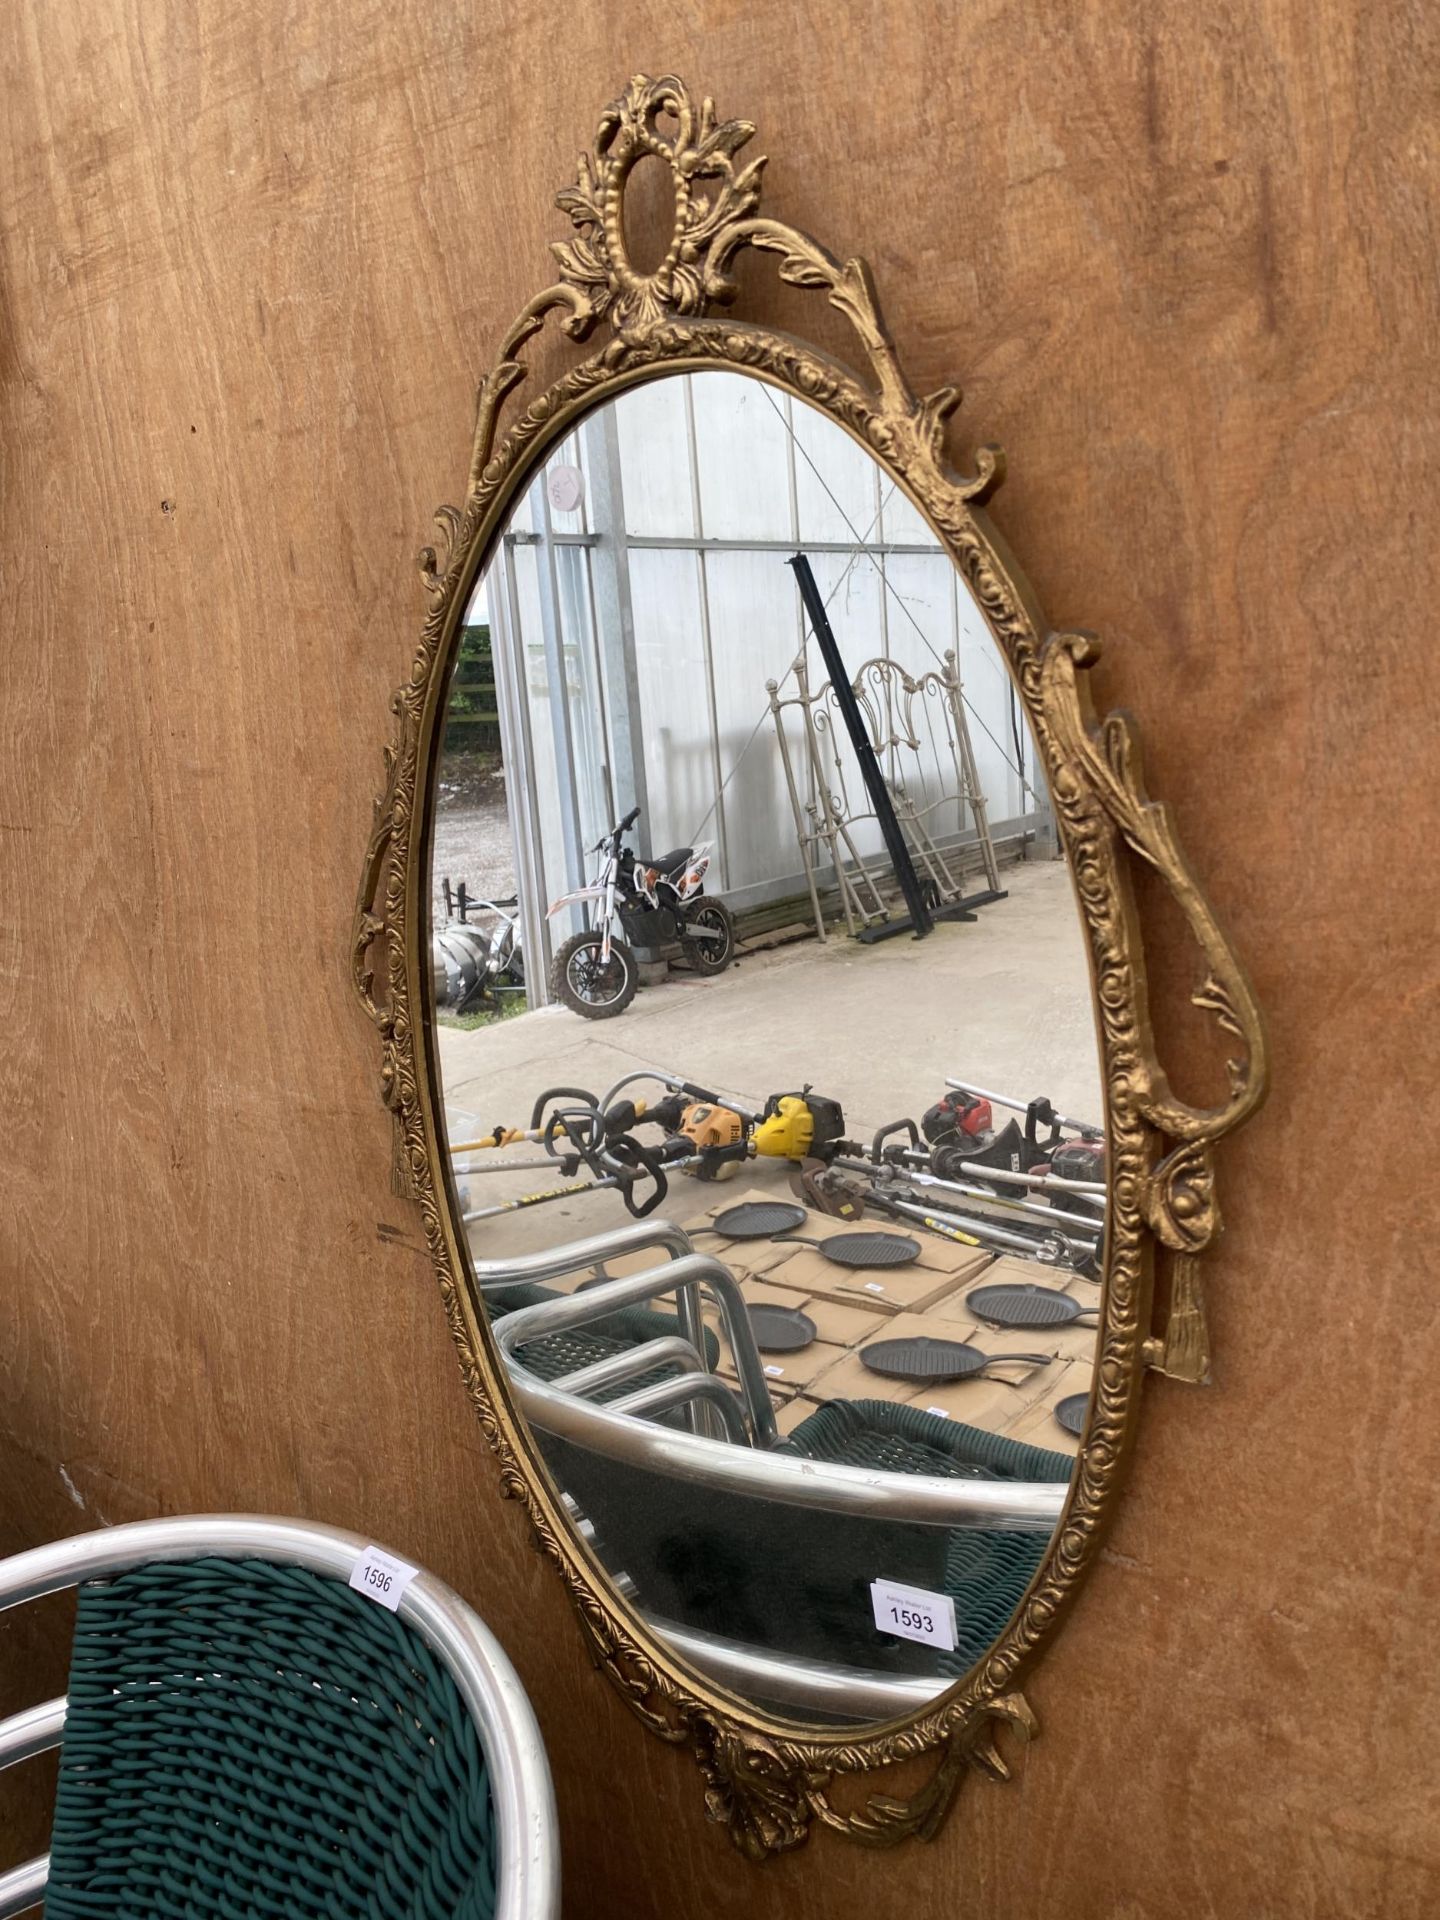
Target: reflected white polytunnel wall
x,y
642,566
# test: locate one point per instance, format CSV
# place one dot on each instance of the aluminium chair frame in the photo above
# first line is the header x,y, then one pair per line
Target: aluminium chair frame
x,y
561,1407
620,1430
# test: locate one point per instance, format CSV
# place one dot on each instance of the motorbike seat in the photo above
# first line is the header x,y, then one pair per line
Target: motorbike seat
x,y
668,863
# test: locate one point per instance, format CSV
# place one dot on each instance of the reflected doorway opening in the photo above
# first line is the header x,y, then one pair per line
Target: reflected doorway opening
x,y
477,948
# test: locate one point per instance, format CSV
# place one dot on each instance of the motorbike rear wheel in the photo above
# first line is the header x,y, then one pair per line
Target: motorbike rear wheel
x,y
594,988
715,954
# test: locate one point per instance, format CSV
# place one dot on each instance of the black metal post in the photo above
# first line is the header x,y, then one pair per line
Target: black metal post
x,y
915,903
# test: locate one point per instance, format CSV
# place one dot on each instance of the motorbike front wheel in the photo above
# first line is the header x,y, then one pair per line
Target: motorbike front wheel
x,y
596,988
714,949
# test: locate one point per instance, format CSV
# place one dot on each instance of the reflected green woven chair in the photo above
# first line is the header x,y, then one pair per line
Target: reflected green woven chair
x,y
556,1354
246,1734
986,1569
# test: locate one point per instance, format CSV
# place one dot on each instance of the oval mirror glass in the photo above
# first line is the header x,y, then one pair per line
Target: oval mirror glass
x,y
765,1029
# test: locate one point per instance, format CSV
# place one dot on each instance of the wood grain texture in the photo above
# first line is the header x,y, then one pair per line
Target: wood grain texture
x,y
1182,258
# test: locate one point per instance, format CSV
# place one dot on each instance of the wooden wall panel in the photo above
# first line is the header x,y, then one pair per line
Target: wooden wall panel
x,y
1181,254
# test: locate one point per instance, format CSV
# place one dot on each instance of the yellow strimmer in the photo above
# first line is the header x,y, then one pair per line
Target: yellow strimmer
x,y
798,1126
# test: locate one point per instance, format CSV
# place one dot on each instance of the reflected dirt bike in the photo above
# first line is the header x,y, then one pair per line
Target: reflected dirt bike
x,y
657,900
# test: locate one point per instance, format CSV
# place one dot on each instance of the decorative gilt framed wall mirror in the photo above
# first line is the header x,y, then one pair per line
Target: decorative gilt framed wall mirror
x,y
749,927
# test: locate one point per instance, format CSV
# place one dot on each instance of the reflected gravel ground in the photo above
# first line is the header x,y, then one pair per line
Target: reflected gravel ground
x,y
472,833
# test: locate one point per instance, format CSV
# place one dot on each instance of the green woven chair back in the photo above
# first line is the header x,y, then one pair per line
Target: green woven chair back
x,y
244,1739
986,1570
903,1439
985,1575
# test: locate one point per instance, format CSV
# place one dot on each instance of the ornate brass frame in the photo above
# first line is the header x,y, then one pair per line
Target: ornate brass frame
x,y
764,1778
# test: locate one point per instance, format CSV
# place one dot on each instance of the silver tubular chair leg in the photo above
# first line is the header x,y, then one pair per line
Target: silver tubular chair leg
x,y
811,1685
630,1363
23,1888
22,1736
36,1730
666,1394
575,1256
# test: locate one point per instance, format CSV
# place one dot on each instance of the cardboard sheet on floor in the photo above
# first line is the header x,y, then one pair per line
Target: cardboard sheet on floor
x,y
896,1289
945,1256
937,1253
1088,1292
838,1326
1078,1377
992,1405
788,1370
743,1257
1038,1427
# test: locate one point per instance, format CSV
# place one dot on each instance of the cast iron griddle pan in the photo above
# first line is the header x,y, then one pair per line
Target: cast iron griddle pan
x,y
1070,1412
780,1329
1027,1305
773,1220
937,1360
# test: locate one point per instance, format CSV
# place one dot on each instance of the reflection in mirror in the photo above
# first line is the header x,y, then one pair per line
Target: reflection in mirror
x,y
767,1048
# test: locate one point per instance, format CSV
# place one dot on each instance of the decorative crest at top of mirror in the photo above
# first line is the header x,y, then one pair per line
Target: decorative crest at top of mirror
x,y
818,1499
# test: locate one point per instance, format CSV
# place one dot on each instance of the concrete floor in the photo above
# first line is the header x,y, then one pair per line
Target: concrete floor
x,y
1005,1000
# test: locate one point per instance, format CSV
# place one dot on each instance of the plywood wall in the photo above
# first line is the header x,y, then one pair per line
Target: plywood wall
x,y
1181,255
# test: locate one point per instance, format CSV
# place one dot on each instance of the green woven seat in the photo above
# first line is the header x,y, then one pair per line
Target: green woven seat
x,y
986,1569
246,1739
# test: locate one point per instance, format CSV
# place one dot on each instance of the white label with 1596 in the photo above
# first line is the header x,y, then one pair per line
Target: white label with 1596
x,y
381,1577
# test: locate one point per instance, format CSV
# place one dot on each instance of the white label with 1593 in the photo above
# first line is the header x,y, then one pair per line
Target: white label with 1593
x,y
914,1613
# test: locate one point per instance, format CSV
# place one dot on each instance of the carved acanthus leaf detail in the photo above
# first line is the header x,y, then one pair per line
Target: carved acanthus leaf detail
x,y
700,148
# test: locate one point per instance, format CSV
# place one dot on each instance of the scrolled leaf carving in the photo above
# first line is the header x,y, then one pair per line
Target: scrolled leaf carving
x,y
1180,1203
699,149
1180,1198
753,1788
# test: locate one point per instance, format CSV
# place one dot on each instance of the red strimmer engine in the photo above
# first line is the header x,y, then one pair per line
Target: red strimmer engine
x,y
960,1130
1079,1160
955,1118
